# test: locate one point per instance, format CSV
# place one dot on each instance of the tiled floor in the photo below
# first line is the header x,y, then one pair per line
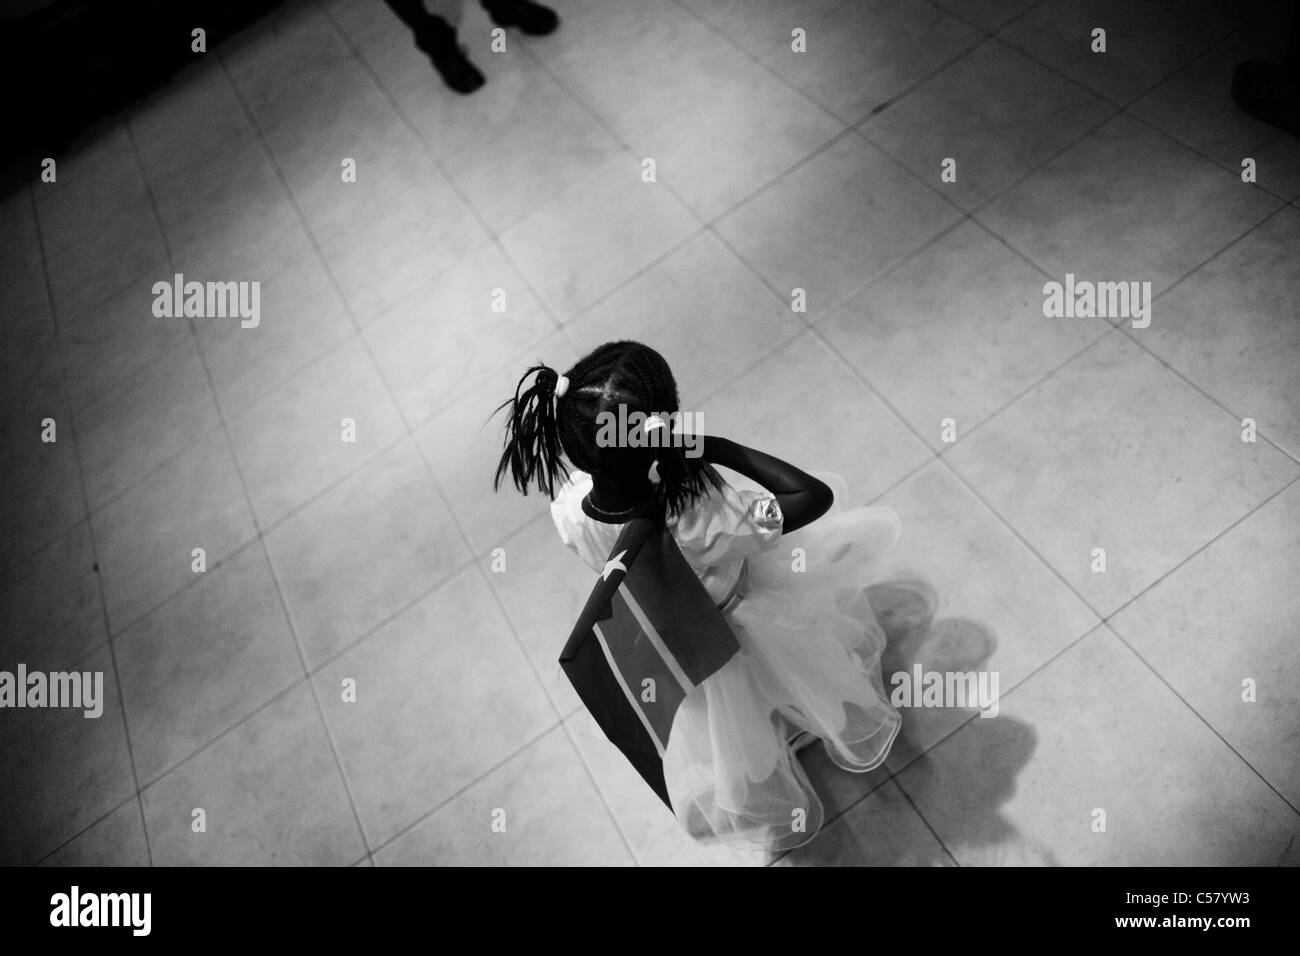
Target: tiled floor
x,y
387,565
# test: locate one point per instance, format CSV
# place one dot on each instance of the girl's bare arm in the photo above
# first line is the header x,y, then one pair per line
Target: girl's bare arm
x,y
803,499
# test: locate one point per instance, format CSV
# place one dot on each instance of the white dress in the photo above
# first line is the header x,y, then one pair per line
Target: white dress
x,y
810,657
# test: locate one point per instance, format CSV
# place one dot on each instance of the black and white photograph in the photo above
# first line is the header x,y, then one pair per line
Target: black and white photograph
x,y
651,433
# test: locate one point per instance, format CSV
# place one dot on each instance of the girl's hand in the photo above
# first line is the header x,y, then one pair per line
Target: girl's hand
x,y
803,498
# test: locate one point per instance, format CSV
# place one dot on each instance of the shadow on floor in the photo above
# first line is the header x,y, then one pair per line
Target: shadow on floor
x,y
977,775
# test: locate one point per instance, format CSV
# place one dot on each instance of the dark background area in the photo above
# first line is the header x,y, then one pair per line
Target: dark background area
x,y
67,64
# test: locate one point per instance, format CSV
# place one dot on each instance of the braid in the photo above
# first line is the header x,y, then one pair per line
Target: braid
x,y
617,373
532,445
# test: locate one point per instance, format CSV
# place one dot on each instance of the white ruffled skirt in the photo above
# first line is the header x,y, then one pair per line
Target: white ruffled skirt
x,y
809,658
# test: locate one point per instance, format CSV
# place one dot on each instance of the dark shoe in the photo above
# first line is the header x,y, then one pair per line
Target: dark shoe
x,y
532,18
439,41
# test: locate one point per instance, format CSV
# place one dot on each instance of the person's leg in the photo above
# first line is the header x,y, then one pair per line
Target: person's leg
x,y
437,37
410,12
532,18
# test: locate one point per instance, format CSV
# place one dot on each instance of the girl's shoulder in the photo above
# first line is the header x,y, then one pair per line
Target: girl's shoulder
x,y
566,506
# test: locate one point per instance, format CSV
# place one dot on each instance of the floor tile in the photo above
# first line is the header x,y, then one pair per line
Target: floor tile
x,y
265,240
69,769
213,190
146,538
363,550
20,244
521,114
1278,166
157,414
1098,211
768,408
93,183
204,661
538,809
758,26
1153,470
1098,731
462,444
1195,106
543,588
988,14
835,223
43,494
654,835
995,112
51,613
1208,627
415,735
861,55
270,793
1144,42
1247,363
883,830
441,340
637,64
105,259
750,128
967,315
114,343
687,308
161,125
300,317
959,593
116,840
294,442
392,232
595,235
27,317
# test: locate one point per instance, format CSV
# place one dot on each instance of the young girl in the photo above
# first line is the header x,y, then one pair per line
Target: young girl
x,y
810,645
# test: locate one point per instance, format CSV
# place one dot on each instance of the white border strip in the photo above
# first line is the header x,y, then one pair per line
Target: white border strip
x,y
631,698
673,667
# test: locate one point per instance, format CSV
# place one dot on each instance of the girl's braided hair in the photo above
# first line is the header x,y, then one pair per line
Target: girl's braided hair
x,y
542,425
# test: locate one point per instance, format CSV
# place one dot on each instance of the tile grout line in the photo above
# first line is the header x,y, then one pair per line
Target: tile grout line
x,y
409,432
923,753
1226,167
132,798
1198,715
587,308
260,537
487,582
323,721
1122,327
489,233
452,797
811,326
807,323
326,662
1176,567
94,550
943,844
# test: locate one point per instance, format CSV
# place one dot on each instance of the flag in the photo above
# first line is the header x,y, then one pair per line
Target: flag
x,y
649,635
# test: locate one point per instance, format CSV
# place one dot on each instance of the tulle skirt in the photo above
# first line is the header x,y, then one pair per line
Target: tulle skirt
x,y
809,659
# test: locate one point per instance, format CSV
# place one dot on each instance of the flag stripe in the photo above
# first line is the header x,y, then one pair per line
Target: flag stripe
x,y
641,660
660,745
652,634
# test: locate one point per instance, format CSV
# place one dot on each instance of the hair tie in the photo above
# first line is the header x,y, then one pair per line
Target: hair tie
x,y
561,386
653,422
